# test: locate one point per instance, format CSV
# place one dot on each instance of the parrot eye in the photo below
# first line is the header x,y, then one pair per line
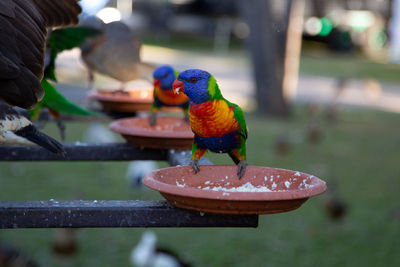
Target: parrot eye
x,y
165,75
193,80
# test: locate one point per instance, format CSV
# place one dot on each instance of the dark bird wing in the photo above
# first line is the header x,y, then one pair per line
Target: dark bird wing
x,y
22,42
58,13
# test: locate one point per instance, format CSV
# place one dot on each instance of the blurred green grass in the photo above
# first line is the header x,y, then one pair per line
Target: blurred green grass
x,y
359,153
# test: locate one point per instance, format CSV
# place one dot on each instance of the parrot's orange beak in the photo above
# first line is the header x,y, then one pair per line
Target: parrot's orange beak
x,y
177,86
157,83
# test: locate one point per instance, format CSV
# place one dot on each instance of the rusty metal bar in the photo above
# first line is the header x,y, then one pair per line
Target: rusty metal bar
x,y
113,213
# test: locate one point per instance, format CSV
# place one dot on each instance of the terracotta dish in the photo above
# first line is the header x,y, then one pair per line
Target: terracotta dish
x,y
168,133
217,189
121,101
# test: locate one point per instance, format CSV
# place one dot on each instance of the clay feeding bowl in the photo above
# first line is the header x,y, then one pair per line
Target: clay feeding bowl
x,y
124,101
168,133
217,189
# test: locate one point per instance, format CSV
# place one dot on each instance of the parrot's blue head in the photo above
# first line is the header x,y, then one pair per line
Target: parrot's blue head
x,y
164,76
194,83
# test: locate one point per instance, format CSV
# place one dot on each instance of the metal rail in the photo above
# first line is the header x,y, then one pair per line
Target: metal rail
x,y
114,213
82,152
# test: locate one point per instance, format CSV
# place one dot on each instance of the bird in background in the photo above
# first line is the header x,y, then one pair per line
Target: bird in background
x,y
164,76
148,254
137,170
60,40
14,257
15,129
334,204
218,125
65,242
115,53
22,43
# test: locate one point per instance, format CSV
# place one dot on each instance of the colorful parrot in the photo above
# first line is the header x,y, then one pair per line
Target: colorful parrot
x,y
164,76
218,124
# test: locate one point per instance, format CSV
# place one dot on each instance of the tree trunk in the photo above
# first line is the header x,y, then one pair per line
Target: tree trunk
x,y
267,49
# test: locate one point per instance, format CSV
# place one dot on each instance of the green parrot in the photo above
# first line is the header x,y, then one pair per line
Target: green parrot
x,y
218,125
55,102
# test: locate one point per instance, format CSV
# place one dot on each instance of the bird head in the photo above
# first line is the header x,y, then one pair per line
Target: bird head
x,y
164,76
199,85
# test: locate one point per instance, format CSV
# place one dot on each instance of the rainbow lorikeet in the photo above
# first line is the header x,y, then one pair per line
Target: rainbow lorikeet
x,y
164,76
218,124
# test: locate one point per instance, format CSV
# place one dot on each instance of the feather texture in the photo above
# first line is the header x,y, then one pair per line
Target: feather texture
x,y
218,124
22,43
116,53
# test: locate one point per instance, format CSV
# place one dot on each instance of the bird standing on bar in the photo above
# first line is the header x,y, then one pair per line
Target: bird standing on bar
x,y
218,124
164,76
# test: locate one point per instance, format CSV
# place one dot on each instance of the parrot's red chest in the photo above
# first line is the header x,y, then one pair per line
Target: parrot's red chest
x,y
212,118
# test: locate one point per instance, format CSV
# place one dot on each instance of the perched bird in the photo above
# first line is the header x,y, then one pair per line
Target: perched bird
x,y
218,124
148,254
22,42
15,129
115,53
58,41
164,76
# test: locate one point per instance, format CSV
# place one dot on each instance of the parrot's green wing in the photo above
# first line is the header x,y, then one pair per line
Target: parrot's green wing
x,y
57,102
239,117
64,39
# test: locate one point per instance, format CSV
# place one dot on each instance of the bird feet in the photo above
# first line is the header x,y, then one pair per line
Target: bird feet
x,y
195,165
241,168
153,119
61,128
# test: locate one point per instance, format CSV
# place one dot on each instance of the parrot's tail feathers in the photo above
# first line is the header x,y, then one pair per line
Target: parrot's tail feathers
x,y
234,158
32,134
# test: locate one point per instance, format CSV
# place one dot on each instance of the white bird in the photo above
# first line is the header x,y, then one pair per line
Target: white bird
x,y
137,170
99,133
146,254
15,129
